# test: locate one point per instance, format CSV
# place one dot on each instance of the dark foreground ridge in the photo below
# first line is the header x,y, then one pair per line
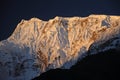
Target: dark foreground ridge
x,y
104,65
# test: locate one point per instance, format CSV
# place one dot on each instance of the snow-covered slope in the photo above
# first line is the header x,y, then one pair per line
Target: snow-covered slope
x,y
37,46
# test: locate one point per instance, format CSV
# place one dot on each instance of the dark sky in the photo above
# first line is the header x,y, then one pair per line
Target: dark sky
x,y
13,11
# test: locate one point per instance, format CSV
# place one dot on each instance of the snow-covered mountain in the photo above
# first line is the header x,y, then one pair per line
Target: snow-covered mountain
x,y
37,46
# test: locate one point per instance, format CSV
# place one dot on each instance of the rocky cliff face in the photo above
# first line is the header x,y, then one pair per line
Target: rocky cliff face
x,y
37,46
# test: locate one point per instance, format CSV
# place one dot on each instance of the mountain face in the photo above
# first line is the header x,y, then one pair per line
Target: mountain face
x,y
37,46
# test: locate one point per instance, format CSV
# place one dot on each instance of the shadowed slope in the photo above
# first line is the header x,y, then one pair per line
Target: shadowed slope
x,y
104,65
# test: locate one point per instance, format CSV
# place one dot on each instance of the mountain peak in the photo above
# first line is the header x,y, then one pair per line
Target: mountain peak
x,y
37,46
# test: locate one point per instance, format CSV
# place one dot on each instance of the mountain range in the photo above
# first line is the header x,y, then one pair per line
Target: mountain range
x,y
37,46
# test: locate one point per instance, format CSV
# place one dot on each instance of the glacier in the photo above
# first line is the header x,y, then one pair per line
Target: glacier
x,y
37,46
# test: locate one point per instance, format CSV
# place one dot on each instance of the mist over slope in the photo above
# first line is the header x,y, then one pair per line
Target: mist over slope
x,y
37,46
